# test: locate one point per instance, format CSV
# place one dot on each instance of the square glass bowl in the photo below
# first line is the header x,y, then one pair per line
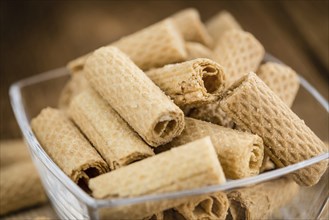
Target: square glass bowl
x,y
30,95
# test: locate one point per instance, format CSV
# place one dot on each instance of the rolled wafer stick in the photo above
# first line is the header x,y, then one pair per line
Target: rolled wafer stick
x,y
20,187
34,213
267,164
67,146
239,52
196,50
12,152
154,46
159,176
134,96
118,144
73,87
190,83
240,153
210,112
190,25
255,107
186,167
259,201
213,206
220,23
281,79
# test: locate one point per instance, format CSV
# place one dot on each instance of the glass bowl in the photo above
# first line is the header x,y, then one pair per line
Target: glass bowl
x,y
30,95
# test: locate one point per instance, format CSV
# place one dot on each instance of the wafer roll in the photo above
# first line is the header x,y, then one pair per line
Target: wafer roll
x,y
154,46
166,172
190,83
213,206
12,152
255,107
44,210
267,164
20,187
134,96
118,144
258,201
196,50
239,52
220,23
211,112
67,146
281,79
190,25
73,87
240,153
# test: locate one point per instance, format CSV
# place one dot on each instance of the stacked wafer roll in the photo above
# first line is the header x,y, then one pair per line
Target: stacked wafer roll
x,y
186,167
281,79
12,152
67,146
239,52
73,87
20,187
259,201
196,50
214,206
190,83
220,23
240,153
153,46
189,24
255,107
118,144
134,96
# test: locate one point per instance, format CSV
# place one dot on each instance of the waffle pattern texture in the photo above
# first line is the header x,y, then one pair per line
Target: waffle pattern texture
x,y
194,165
220,23
281,79
196,50
240,153
211,112
239,52
134,96
259,201
154,46
190,83
118,144
66,145
73,87
213,206
13,151
20,187
255,107
191,27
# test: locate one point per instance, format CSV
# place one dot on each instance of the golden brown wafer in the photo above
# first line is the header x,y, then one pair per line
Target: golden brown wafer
x,y
154,46
267,164
213,206
76,84
281,79
118,144
190,83
186,167
12,152
196,50
255,107
134,96
240,153
210,112
239,52
20,187
220,23
259,201
44,210
67,146
190,25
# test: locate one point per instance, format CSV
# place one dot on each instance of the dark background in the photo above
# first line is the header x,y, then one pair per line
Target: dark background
x,y
37,36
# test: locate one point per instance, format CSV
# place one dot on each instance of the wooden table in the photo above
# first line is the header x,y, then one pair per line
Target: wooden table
x,y
39,36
